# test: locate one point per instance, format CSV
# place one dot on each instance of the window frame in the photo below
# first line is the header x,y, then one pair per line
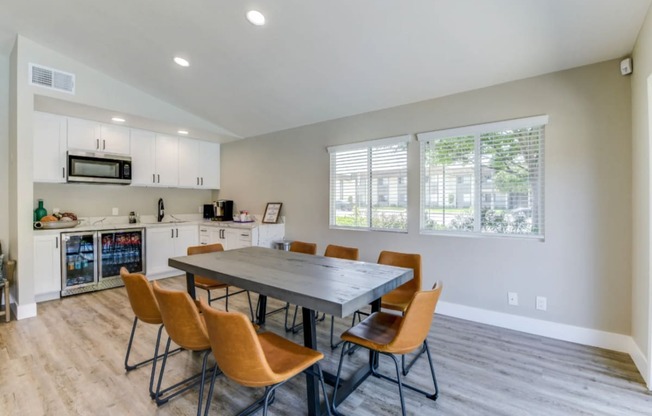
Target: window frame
x,y
368,145
477,131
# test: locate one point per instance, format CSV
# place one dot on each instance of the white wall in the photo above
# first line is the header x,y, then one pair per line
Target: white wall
x,y
641,288
584,265
4,151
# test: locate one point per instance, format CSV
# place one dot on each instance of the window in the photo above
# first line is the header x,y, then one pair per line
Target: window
x,y
484,179
368,186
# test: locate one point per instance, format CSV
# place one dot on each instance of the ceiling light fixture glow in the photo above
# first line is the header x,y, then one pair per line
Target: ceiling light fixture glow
x,y
181,62
118,119
255,17
184,132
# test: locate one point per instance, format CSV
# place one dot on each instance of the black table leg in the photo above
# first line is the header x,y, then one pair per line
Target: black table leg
x,y
310,341
261,309
190,284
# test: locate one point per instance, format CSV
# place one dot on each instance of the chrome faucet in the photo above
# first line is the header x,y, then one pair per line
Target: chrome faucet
x,y
161,210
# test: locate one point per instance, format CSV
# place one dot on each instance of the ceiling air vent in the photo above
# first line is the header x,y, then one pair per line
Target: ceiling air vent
x,y
51,78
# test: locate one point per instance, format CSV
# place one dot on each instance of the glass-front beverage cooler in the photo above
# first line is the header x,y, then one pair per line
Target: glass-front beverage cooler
x,y
92,260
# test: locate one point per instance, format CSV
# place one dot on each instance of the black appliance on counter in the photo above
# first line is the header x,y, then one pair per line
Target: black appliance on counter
x,y
209,211
92,260
223,210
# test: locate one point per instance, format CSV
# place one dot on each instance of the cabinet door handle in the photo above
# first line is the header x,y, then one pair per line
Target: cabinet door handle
x,y
202,181
177,233
198,180
103,144
97,144
153,177
171,232
63,173
56,242
159,177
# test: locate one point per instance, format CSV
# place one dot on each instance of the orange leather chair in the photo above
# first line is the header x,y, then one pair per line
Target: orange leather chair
x,y
210,284
399,298
389,334
340,252
256,360
186,327
143,303
305,248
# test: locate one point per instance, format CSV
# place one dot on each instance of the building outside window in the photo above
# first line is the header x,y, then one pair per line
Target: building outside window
x,y
484,179
368,185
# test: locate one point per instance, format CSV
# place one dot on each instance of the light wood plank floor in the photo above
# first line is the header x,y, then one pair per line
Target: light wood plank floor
x,y
69,361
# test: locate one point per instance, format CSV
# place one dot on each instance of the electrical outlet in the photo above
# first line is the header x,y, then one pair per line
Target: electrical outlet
x,y
201,209
542,303
512,298
115,211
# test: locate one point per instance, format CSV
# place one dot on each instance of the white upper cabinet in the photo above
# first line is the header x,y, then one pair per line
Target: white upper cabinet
x,y
154,159
209,165
199,164
49,147
143,157
167,163
97,137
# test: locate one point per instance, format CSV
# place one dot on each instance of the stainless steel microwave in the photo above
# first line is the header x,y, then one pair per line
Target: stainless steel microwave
x,y
92,167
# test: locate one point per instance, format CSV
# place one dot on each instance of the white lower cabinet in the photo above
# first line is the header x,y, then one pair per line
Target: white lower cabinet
x,y
164,242
47,267
233,236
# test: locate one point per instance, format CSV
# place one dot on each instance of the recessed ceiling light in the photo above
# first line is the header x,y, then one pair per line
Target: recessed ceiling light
x,y
184,132
255,17
181,61
118,119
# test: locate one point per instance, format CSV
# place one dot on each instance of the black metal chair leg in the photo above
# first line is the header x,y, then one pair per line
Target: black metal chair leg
x,y
337,344
400,384
432,371
405,369
203,381
337,378
210,391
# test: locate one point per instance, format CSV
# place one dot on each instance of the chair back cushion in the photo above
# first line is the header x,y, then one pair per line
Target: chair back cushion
x,y
181,318
141,297
301,247
341,252
416,322
236,347
403,293
208,248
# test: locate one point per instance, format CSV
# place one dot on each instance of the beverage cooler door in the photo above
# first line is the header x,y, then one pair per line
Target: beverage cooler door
x,y
121,248
78,266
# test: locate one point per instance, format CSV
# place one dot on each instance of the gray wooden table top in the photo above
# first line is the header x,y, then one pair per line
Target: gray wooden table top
x,y
335,286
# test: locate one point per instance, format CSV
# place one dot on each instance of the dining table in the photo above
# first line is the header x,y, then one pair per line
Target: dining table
x,y
316,283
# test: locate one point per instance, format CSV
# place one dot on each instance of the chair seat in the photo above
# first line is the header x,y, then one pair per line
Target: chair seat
x,y
285,358
377,332
209,284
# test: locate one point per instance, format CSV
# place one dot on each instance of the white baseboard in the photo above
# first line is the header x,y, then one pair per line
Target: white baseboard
x,y
24,311
640,361
585,336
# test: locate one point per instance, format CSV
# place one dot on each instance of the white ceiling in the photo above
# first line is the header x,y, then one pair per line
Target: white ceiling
x,y
320,60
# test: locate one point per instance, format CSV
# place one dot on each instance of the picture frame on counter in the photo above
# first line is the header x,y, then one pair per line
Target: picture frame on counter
x,y
272,212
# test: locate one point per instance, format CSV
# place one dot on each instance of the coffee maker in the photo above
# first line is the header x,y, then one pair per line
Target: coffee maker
x,y
223,210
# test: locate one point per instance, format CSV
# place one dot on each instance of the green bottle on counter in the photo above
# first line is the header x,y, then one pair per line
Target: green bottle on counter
x,y
40,212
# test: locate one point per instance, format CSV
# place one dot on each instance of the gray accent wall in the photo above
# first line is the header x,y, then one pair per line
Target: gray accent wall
x,y
584,265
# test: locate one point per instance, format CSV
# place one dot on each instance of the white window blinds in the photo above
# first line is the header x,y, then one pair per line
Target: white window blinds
x,y
485,179
368,185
